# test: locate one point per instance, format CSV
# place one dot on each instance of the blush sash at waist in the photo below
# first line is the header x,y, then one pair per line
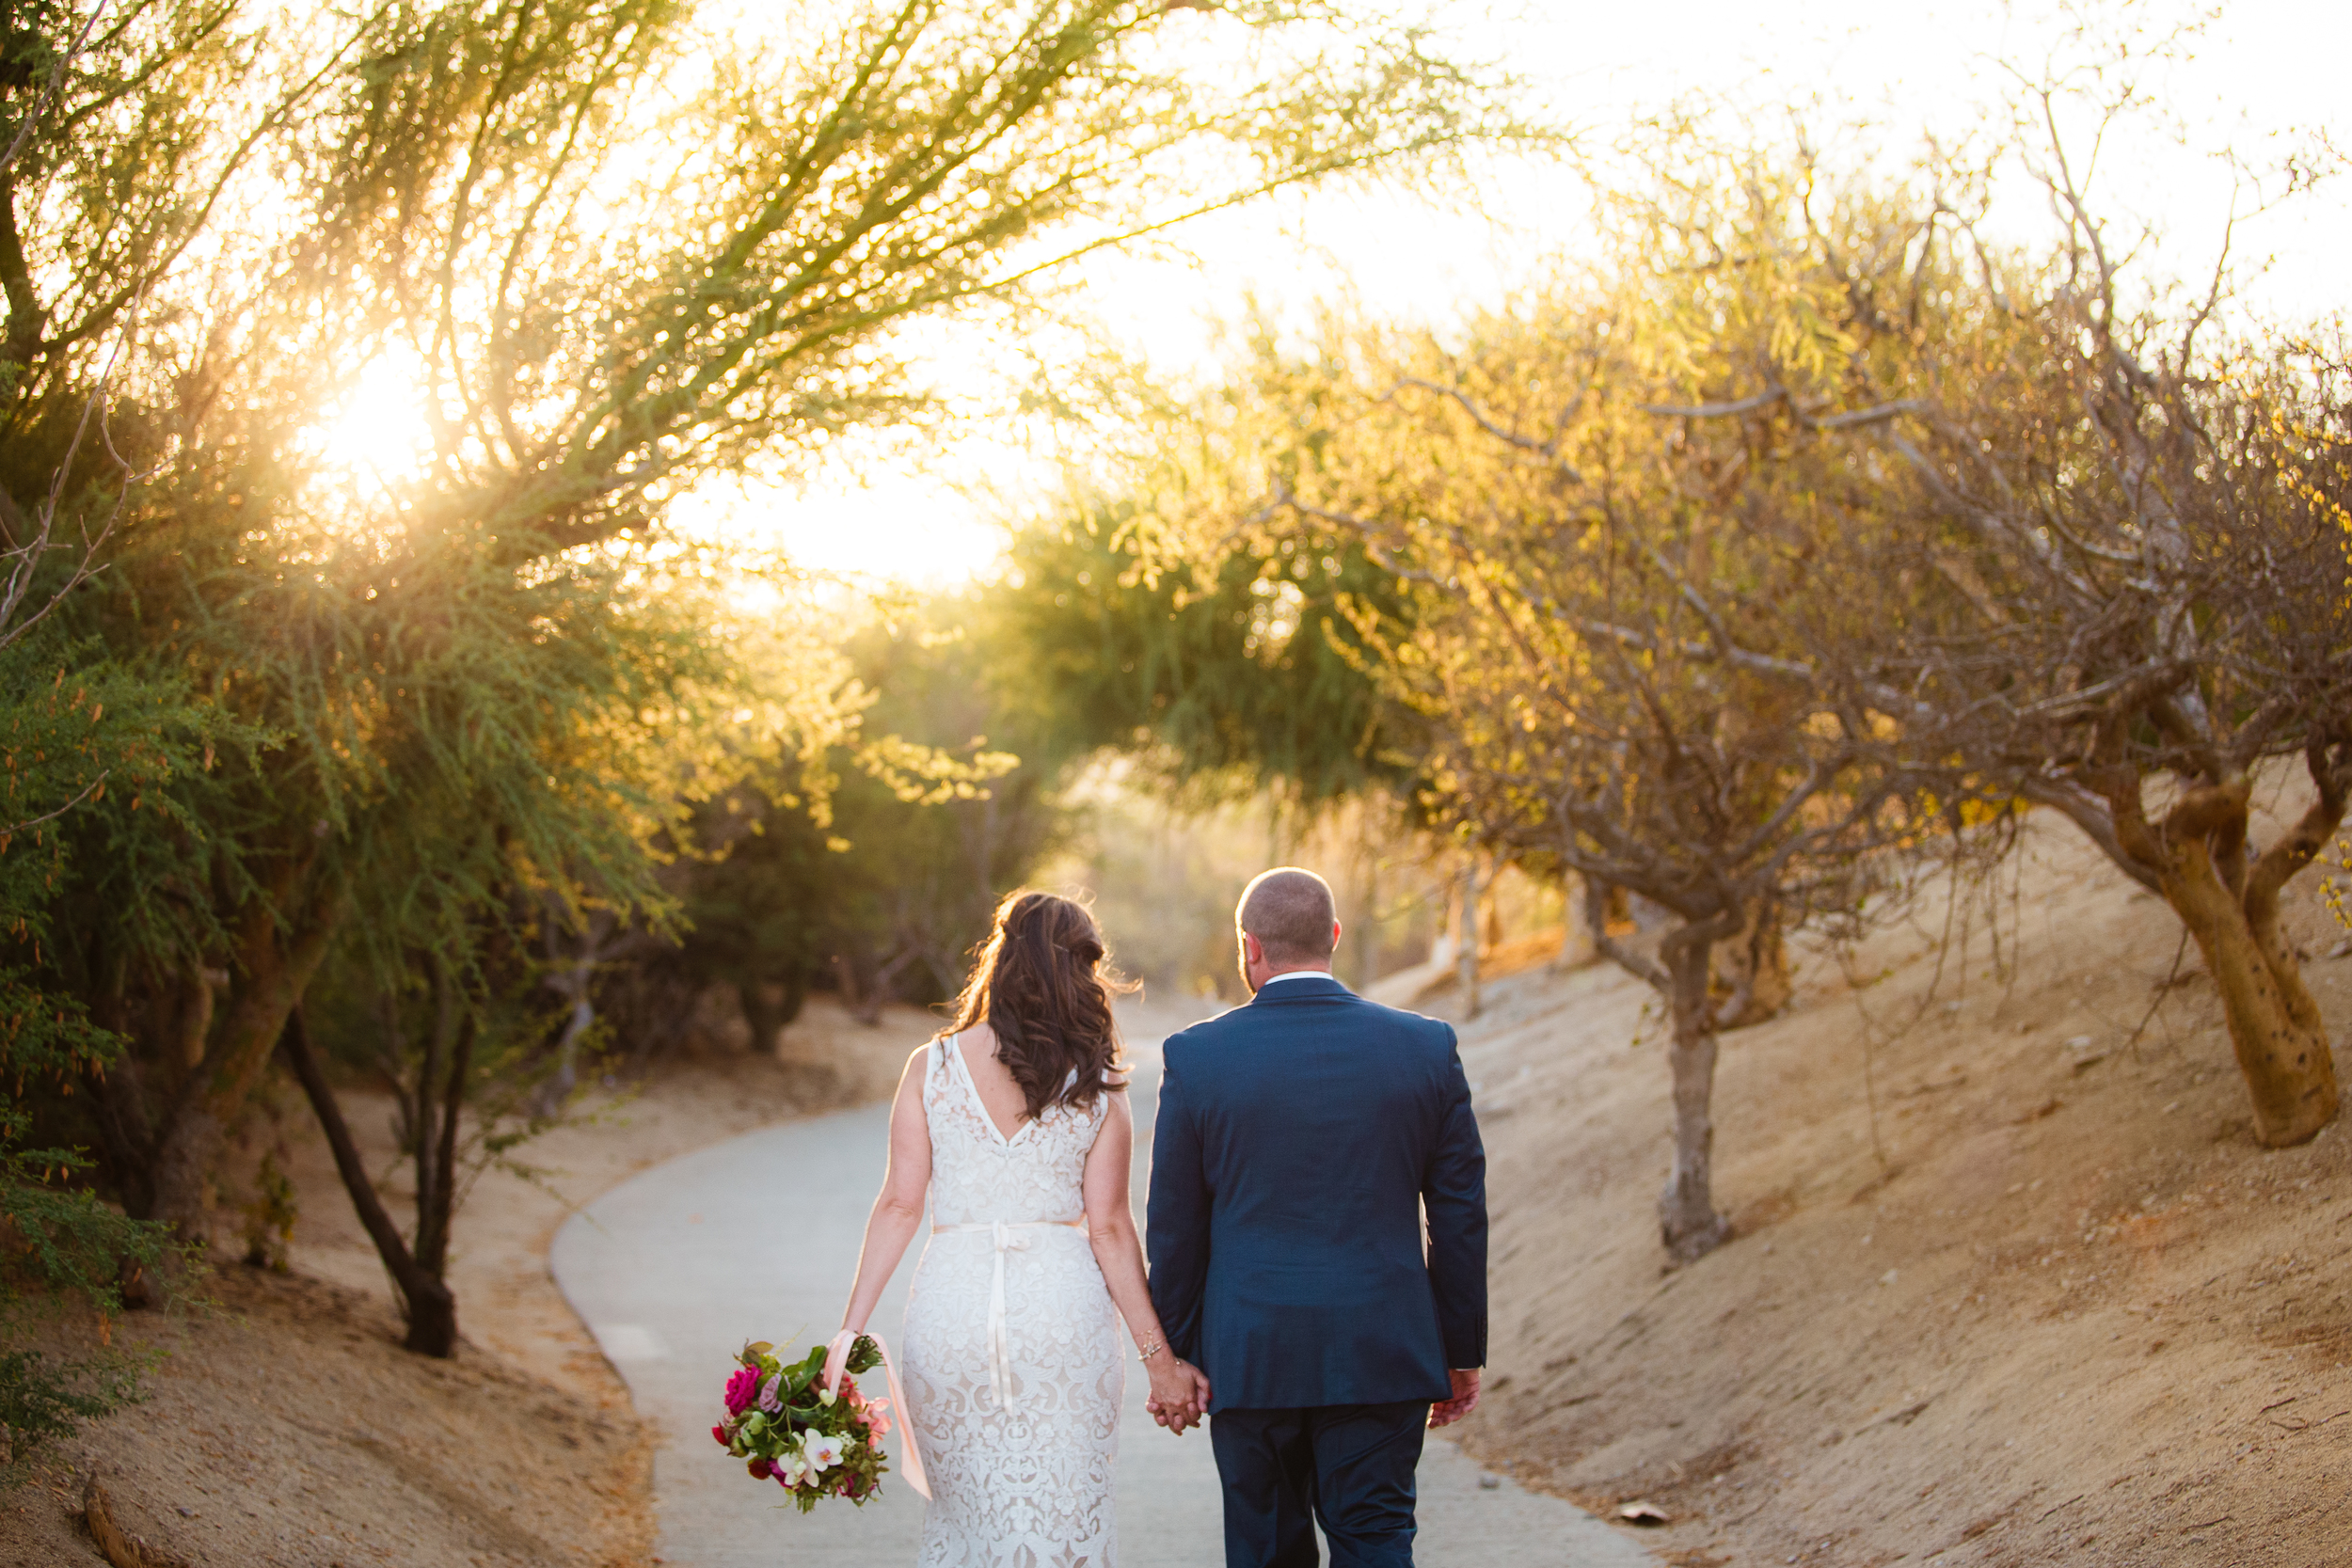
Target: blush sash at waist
x,y
1008,1236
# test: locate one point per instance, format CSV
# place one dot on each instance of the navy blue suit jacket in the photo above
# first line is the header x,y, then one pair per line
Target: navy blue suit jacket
x,y
1299,1141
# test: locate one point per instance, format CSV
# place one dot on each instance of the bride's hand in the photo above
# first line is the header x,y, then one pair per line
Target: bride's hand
x,y
1200,1393
1180,1394
837,1357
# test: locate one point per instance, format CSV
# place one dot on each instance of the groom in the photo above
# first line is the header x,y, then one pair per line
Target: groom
x,y
1300,1140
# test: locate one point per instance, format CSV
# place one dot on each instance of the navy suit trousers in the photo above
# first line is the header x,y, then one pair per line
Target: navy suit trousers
x,y
1348,1465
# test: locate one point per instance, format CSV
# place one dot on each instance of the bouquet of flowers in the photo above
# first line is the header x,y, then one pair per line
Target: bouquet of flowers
x,y
813,1442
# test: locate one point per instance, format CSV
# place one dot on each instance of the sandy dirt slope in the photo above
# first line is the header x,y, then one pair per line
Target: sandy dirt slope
x,y
507,1304
288,1426
2007,1286
287,1429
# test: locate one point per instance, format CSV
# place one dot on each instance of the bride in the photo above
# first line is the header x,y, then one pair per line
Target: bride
x,y
1015,1121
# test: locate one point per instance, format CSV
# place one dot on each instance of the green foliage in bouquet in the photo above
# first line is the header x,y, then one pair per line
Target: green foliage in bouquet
x,y
814,1442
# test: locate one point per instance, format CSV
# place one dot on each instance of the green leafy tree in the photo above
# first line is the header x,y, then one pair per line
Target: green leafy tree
x,y
1223,676
883,887
764,913
611,252
76,732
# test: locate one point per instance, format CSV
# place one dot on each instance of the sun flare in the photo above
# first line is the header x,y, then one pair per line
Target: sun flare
x,y
378,426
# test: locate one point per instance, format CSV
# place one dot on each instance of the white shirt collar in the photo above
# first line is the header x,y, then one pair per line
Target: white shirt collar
x,y
1297,974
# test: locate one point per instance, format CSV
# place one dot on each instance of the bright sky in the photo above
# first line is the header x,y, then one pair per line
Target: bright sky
x,y
2262,73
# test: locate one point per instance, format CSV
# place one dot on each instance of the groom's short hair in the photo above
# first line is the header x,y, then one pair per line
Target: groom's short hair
x,y
1290,911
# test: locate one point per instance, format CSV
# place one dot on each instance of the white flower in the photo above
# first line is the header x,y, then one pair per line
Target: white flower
x,y
791,1466
823,1452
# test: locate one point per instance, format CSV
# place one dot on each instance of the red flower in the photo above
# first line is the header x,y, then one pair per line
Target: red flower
x,y
721,1434
742,1388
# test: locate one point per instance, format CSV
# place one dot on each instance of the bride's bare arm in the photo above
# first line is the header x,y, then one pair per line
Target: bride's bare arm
x,y
1178,1389
898,1208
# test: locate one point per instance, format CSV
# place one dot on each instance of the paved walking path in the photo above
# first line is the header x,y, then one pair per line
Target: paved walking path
x,y
756,1238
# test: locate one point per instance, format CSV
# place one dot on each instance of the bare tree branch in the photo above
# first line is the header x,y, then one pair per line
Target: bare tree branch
x,y
59,71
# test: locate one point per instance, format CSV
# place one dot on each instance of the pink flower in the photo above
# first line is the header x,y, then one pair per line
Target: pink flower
x,y
742,1387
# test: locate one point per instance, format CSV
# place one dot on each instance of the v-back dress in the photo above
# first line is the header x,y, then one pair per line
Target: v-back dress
x,y
1011,1367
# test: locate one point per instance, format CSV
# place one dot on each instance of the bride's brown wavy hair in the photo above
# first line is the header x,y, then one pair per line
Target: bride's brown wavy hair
x,y
1041,984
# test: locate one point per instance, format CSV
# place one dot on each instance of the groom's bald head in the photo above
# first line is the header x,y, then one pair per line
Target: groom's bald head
x,y
1291,914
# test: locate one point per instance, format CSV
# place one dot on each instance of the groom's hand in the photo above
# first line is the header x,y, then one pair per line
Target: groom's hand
x,y
1446,1412
1180,1396
1177,1419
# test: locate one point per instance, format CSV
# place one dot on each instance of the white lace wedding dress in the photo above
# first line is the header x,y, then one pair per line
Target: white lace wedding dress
x,y
1011,1367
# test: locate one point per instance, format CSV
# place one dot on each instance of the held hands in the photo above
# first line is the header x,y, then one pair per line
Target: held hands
x,y
1465,1399
1180,1393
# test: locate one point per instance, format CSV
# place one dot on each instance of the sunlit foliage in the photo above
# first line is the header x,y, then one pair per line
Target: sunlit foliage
x,y
363,351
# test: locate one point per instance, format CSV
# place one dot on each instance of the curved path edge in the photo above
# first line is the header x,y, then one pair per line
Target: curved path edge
x,y
755,1238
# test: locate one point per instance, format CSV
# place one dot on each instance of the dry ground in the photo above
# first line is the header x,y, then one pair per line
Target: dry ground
x,y
2007,1286
2008,1289
507,1304
288,1427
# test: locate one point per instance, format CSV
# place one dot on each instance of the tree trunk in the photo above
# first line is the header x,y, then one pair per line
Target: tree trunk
x,y
1750,981
771,1005
761,1016
435,1226
1364,957
2281,1045
124,1133
432,1310
426,1118
183,1188
273,968
1577,946
866,1010
1688,1221
1475,878
195,1015
2275,1027
2232,911
578,982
